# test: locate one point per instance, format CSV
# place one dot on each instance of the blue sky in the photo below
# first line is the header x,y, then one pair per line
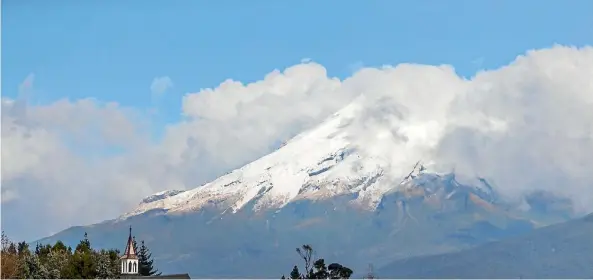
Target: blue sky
x,y
112,50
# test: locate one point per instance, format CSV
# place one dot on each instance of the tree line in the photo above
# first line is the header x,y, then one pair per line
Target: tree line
x,y
84,262
61,262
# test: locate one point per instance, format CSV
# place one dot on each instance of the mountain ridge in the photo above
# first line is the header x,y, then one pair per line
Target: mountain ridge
x,y
557,251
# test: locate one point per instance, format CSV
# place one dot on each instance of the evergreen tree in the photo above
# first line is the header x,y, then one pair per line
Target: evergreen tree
x,y
295,274
59,246
84,245
44,251
135,244
82,264
23,248
145,261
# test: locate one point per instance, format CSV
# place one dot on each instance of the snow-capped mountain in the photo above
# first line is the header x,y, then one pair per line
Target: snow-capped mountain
x,y
359,187
321,163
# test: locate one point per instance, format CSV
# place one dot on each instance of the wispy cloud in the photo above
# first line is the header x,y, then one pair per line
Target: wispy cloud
x,y
160,85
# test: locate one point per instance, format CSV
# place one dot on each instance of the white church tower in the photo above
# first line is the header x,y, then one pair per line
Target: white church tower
x,y
129,260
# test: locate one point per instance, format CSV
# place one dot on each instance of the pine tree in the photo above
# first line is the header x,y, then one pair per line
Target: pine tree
x,y
82,263
23,248
145,262
84,245
135,244
44,251
59,246
295,274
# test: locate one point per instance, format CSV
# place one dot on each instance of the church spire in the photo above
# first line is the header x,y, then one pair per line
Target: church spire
x,y
130,252
129,260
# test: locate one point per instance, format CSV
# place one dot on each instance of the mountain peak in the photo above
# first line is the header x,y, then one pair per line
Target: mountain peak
x,y
363,149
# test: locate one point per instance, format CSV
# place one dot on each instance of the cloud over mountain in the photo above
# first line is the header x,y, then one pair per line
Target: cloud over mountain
x,y
525,126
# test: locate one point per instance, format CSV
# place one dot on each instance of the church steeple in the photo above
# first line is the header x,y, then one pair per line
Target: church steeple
x,y
129,260
130,251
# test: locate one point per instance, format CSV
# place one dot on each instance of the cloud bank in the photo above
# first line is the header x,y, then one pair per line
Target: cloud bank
x,y
526,126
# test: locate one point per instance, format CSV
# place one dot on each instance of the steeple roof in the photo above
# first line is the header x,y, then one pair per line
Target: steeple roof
x,y
130,252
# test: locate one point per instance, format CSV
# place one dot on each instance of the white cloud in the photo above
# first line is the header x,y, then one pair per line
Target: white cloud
x,y
544,105
160,85
528,125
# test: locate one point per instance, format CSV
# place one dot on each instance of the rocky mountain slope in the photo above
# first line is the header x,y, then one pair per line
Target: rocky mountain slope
x,y
426,214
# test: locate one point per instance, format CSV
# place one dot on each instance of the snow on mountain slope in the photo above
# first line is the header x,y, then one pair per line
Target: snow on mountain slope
x,y
354,151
